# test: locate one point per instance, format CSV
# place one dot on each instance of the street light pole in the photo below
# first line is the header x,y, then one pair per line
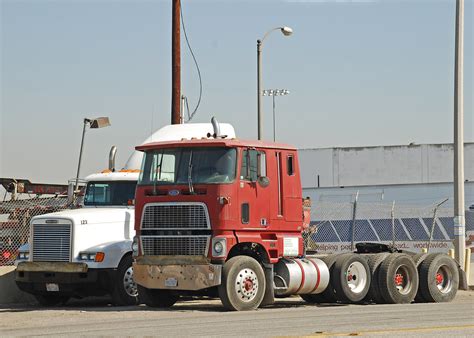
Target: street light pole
x,y
459,213
99,122
286,31
86,121
259,88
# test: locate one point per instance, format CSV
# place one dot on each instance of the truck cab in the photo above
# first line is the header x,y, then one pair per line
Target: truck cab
x,y
207,209
84,251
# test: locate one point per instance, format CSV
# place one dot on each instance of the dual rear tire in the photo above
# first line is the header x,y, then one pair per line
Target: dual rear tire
x,y
350,279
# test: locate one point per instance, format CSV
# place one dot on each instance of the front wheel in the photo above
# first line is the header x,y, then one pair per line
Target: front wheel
x,y
124,288
243,284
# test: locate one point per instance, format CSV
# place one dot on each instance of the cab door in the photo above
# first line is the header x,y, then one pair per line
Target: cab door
x,y
254,194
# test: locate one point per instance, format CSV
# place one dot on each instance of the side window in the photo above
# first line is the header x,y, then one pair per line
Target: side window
x,y
249,169
290,165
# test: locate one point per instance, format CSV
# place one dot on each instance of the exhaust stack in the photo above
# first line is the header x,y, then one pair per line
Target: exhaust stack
x,y
113,152
216,127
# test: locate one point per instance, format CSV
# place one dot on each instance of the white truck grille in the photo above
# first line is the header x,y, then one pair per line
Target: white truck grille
x,y
175,245
51,242
175,216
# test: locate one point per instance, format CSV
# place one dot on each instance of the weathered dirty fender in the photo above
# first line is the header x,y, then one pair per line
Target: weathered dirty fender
x,y
177,277
114,251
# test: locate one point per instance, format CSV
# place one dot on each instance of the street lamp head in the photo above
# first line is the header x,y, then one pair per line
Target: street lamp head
x,y
99,122
286,31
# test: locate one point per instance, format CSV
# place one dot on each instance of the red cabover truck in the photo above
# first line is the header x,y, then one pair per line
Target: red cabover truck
x,y
224,217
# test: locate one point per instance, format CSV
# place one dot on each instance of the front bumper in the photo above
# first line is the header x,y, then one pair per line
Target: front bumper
x,y
72,279
190,277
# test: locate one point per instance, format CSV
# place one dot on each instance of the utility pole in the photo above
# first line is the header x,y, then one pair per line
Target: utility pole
x,y
459,217
176,64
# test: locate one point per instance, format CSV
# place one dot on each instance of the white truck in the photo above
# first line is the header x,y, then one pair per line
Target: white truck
x,y
88,251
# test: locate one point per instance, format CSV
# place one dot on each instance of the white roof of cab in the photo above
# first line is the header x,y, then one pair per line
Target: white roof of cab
x,y
113,176
176,132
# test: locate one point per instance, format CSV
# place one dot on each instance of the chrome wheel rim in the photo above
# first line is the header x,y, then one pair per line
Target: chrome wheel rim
x,y
246,285
129,284
356,277
402,280
444,279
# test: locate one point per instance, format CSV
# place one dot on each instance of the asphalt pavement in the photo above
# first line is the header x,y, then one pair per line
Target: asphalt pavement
x,y
288,317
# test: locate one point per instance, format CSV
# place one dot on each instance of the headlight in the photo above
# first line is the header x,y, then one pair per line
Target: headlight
x,y
219,247
24,255
84,256
92,256
135,247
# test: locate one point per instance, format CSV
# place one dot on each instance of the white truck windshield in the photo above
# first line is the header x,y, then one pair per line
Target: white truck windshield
x,y
116,193
188,166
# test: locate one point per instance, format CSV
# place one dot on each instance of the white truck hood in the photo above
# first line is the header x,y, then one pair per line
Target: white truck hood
x,y
91,215
91,226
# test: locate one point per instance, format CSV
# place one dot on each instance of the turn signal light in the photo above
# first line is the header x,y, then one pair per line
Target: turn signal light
x,y
99,257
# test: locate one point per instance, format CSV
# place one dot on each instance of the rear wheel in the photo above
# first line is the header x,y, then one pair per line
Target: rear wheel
x,y
124,288
157,298
243,284
418,259
374,261
51,300
439,278
328,295
398,279
351,278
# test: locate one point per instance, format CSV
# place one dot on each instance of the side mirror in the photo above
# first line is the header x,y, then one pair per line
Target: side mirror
x,y
263,181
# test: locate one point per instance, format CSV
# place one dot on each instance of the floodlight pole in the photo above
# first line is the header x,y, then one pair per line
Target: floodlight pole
x,y
459,213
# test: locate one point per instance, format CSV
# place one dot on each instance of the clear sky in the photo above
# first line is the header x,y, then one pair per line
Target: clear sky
x,y
359,72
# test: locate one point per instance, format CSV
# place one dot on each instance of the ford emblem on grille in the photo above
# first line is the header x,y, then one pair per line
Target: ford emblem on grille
x,y
173,192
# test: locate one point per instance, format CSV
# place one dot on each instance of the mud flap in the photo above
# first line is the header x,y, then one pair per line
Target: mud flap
x,y
462,280
268,298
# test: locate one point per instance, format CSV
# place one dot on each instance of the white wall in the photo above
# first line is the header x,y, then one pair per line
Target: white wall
x,y
383,165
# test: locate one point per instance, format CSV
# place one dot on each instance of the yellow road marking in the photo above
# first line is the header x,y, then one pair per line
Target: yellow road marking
x,y
413,329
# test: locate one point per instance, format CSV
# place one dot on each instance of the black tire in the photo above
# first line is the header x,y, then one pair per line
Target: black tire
x,y
157,298
351,277
439,278
329,294
123,289
51,300
374,261
243,284
398,279
418,259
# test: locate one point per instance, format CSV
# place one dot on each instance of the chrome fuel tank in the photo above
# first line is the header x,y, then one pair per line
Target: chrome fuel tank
x,y
300,276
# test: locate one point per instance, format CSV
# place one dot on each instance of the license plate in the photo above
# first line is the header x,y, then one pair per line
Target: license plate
x,y
52,287
171,282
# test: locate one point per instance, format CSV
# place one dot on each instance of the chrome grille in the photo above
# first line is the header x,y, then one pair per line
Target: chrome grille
x,y
51,242
175,216
175,245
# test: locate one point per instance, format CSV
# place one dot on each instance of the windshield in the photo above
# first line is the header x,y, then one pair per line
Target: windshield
x,y
188,166
110,193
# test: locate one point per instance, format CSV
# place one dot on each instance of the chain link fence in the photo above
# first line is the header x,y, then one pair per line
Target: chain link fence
x,y
338,226
15,216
